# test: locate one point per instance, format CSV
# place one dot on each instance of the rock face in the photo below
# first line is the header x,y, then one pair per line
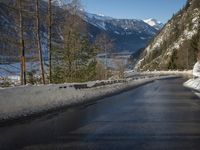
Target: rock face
x,y
177,44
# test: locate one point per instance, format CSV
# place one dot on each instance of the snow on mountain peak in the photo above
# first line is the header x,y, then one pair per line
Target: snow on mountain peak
x,y
98,16
119,26
101,15
154,23
151,21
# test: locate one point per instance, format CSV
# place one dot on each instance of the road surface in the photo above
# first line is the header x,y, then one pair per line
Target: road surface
x,y
158,116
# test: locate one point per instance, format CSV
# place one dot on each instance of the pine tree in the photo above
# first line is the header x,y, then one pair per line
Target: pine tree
x,y
74,62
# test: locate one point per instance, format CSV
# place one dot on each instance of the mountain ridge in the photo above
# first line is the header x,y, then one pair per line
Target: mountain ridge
x,y
130,34
88,16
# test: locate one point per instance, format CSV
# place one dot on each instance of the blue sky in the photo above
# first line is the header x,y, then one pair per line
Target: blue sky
x,y
161,10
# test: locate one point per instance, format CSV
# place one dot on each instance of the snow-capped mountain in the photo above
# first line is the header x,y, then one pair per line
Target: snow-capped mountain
x,y
177,44
154,23
119,26
128,34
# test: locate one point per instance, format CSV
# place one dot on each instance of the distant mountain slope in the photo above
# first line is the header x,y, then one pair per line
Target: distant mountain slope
x,y
178,44
127,34
9,31
119,26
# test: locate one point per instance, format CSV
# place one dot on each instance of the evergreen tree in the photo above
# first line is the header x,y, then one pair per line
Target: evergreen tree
x,y
75,61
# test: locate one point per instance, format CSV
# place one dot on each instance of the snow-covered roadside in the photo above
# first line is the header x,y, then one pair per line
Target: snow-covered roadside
x,y
176,72
24,101
186,73
193,84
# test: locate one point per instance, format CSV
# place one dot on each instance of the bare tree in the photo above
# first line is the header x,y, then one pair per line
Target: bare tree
x,y
120,66
49,37
22,59
105,44
39,41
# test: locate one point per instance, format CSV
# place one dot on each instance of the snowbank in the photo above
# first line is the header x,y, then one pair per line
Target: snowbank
x,y
171,72
18,102
196,69
193,84
187,73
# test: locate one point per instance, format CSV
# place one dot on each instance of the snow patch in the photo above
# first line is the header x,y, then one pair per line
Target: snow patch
x,y
142,38
194,83
154,23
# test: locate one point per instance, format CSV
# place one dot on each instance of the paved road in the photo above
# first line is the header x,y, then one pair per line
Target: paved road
x,y
158,116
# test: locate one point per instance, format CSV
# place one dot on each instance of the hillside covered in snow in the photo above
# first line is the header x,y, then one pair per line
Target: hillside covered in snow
x,y
178,44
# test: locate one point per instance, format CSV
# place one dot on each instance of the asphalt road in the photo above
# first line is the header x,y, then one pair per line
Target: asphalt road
x,y
158,116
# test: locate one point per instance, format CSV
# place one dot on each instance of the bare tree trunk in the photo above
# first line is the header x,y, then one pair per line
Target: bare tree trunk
x,y
22,59
106,65
39,41
49,39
